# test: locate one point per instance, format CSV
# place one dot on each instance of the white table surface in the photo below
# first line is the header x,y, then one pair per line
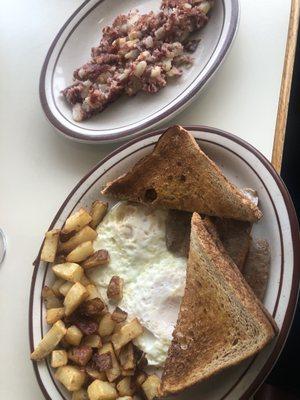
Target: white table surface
x,y
38,168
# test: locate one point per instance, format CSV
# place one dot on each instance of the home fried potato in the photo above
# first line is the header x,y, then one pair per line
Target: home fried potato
x,y
99,390
64,289
76,221
119,315
81,252
49,341
85,280
106,325
56,286
127,372
115,288
103,361
80,394
100,257
93,341
80,355
76,295
126,357
140,378
113,373
92,291
128,332
68,271
93,373
92,308
125,387
71,377
59,358
54,314
86,234
50,245
73,335
50,299
98,211
150,387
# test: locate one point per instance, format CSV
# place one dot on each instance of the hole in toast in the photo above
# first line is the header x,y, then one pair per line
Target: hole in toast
x,y
150,195
182,178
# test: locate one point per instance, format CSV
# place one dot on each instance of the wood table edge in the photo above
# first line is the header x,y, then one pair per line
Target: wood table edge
x,y
286,82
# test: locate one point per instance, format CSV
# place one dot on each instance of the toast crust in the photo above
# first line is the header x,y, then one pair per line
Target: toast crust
x,y
178,175
220,323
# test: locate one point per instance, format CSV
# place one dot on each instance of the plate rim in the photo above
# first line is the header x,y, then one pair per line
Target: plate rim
x,y
148,124
293,223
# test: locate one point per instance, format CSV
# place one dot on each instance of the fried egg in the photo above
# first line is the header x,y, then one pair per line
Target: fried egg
x,y
154,278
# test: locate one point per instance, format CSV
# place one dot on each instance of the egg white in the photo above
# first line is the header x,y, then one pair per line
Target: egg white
x,y
154,278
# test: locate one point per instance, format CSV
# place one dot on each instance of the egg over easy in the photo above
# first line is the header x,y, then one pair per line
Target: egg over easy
x,y
154,278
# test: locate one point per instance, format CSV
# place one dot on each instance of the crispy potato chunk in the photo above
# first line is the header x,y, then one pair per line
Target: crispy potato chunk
x,y
71,377
98,211
92,291
127,372
80,394
56,286
86,234
76,221
81,252
126,387
59,358
113,373
119,315
73,335
140,378
150,387
76,295
106,325
99,390
50,299
93,373
100,257
93,341
64,289
92,308
54,314
80,355
71,272
126,357
49,341
127,333
115,288
103,361
85,280
50,245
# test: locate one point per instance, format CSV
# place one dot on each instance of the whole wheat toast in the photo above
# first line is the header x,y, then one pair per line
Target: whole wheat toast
x,y
220,323
178,175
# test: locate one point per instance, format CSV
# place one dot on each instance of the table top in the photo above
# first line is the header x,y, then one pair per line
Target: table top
x,y
39,168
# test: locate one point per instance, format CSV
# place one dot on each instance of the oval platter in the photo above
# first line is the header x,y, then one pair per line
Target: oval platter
x,y
126,117
246,167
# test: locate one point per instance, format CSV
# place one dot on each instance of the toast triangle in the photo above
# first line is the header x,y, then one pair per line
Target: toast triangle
x,y
178,175
220,323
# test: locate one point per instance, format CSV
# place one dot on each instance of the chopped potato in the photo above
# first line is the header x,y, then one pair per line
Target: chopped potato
x,y
86,234
76,295
50,299
50,245
85,280
92,291
71,377
127,372
106,325
80,355
80,394
76,221
92,308
140,378
115,288
119,315
49,341
127,333
125,387
81,252
54,314
98,211
73,335
113,373
56,286
71,272
93,341
126,357
103,361
59,358
99,390
100,257
150,387
95,374
64,289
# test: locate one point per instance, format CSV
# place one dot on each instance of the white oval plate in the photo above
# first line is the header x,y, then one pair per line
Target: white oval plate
x,y
126,117
246,167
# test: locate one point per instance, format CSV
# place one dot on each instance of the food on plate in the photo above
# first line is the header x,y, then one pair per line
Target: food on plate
x,y
50,245
257,267
141,290
218,305
178,175
138,52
